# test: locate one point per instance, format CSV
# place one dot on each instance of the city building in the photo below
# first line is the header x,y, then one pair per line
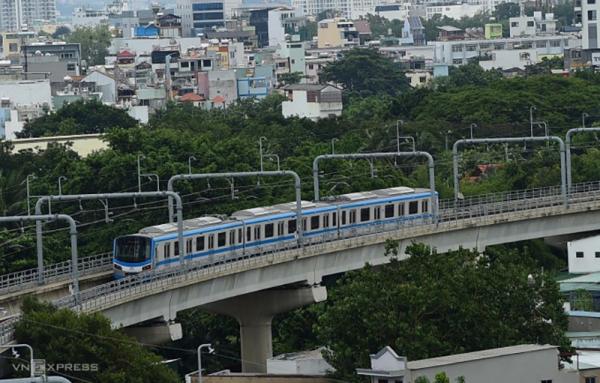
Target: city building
x,y
268,24
198,16
492,31
293,51
450,33
393,11
17,14
521,363
584,255
337,33
351,9
413,32
86,17
453,11
458,52
314,101
308,363
12,43
66,53
21,101
537,24
586,12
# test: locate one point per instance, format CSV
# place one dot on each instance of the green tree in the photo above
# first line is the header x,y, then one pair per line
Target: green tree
x,y
504,11
80,117
94,43
441,377
583,300
438,304
289,78
422,379
63,336
365,72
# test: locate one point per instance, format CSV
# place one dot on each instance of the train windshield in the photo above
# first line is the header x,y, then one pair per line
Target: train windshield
x,y
132,249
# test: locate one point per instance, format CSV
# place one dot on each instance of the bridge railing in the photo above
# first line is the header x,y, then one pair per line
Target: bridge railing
x,y
53,272
450,213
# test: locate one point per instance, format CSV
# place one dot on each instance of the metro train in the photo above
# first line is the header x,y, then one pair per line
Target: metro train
x,y
253,231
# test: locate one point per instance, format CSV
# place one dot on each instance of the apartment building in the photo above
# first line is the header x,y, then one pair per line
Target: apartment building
x,y
16,14
337,33
586,12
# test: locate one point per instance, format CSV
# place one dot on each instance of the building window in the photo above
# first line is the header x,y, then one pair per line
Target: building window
x,y
591,1
382,381
471,47
422,79
269,230
71,67
365,214
590,379
514,24
546,380
221,237
591,15
579,254
413,207
597,254
457,61
555,43
457,48
314,222
530,24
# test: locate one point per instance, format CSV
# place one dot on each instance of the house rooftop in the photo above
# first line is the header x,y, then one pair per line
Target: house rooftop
x,y
307,87
449,28
477,355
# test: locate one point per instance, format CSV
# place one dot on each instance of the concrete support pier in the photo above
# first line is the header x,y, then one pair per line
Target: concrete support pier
x,y
254,312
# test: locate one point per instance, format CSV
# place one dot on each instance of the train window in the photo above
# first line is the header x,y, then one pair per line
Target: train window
x,y
314,222
221,239
256,232
365,214
377,213
176,248
352,216
424,206
334,220
401,209
326,220
344,217
231,237
211,241
167,250
248,234
188,246
240,238
389,211
199,243
413,207
279,228
291,226
269,230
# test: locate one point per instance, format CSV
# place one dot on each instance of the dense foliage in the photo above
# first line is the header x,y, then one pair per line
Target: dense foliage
x,y
65,337
227,140
94,43
438,304
79,117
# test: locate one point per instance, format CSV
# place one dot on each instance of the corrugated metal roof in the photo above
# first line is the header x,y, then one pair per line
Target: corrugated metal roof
x,y
477,355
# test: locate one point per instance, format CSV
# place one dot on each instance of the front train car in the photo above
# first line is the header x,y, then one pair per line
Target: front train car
x,y
132,254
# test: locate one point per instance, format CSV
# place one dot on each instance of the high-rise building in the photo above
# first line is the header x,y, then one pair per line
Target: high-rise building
x,y
587,11
16,14
201,15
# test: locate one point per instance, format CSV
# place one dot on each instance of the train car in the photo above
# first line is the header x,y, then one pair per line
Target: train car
x,y
253,231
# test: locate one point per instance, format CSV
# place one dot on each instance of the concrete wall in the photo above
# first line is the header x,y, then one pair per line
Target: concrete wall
x,y
27,92
241,378
590,262
83,144
518,368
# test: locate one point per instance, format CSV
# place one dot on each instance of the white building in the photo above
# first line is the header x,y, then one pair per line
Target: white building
x,y
522,363
584,255
458,52
105,84
312,101
352,9
393,11
509,59
588,11
299,363
454,11
537,24
15,14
